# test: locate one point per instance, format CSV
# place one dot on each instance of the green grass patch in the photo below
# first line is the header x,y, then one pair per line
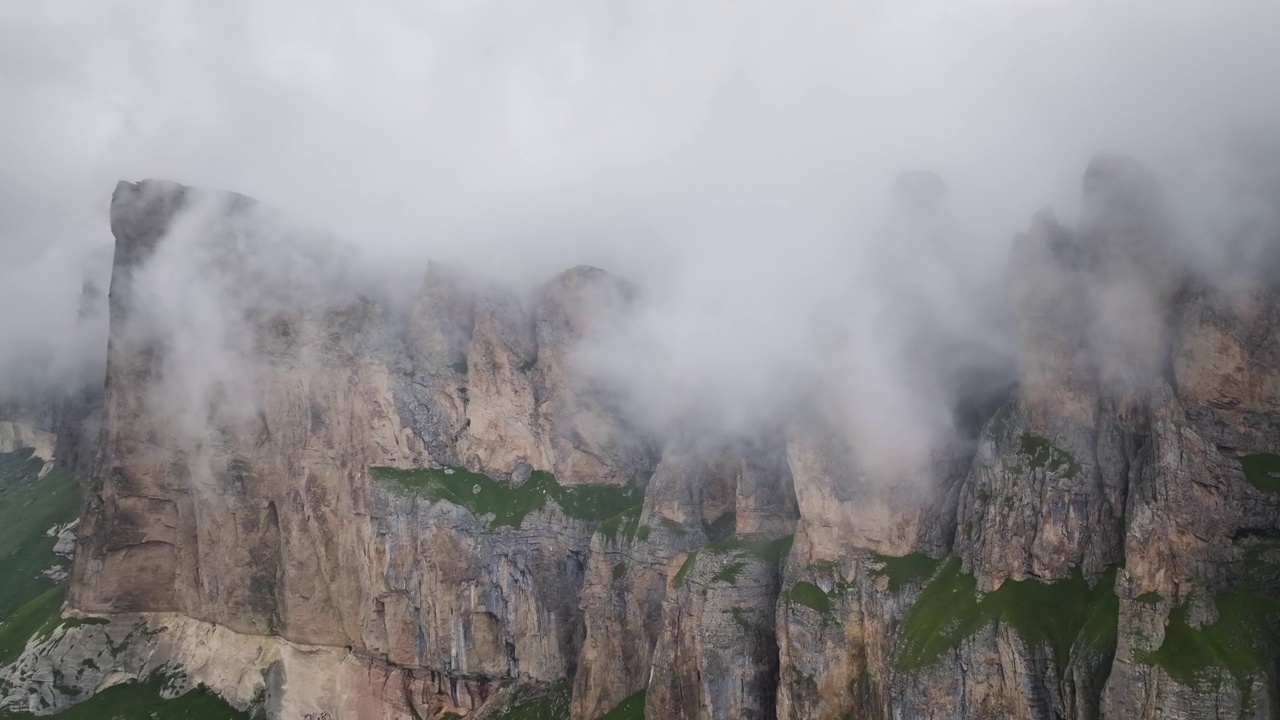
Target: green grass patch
x,y
1042,453
1262,470
549,704
740,617
37,618
642,533
28,508
915,567
142,701
1149,598
30,603
742,546
508,505
1057,615
683,572
811,596
18,469
774,550
626,522
619,571
729,573
630,709
672,525
1243,643
1260,565
722,527
77,622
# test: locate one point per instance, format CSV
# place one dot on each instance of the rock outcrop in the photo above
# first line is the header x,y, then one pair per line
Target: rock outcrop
x,y
312,504
264,516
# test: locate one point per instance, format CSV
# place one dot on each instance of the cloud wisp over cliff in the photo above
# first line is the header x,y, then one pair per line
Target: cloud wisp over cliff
x,y
741,162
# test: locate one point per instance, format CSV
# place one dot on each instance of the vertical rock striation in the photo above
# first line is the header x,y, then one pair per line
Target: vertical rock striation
x,y
316,505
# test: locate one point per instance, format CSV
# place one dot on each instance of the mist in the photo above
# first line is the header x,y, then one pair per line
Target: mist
x,y
740,161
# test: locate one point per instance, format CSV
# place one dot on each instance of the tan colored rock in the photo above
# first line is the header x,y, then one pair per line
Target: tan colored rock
x,y
716,658
256,511
17,435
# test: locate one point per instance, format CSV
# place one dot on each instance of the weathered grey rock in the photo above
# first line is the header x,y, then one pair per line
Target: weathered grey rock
x,y
696,495
717,655
261,515
235,530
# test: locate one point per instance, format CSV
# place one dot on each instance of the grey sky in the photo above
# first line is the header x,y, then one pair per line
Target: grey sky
x,y
735,156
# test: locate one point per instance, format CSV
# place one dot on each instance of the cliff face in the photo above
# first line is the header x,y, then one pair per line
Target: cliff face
x,y
406,518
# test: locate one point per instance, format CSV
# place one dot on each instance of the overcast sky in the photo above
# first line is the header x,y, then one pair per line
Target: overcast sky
x,y
672,141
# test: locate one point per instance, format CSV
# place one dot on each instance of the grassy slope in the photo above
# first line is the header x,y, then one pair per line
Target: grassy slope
x,y
141,701
508,505
28,508
1059,615
915,567
630,709
1262,470
551,704
1242,642
30,602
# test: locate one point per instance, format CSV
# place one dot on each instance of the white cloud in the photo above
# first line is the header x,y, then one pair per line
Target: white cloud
x,y
734,157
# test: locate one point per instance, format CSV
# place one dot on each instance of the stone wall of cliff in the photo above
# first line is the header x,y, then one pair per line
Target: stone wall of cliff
x,y
449,514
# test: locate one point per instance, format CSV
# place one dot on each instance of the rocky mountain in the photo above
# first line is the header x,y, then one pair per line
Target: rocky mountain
x,y
356,514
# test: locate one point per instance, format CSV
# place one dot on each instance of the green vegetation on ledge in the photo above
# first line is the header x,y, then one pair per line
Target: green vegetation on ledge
x,y
546,704
1042,453
811,596
30,602
720,528
770,550
740,617
37,618
630,709
1262,470
672,526
729,573
741,548
626,522
915,567
29,507
507,504
683,572
135,700
1243,643
1059,615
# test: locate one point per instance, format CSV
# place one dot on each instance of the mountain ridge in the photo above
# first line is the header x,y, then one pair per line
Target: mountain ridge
x,y
1108,546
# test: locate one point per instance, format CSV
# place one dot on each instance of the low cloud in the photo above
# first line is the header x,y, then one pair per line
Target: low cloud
x,y
737,160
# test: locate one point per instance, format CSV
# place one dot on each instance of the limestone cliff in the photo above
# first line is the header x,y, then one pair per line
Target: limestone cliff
x,y
312,503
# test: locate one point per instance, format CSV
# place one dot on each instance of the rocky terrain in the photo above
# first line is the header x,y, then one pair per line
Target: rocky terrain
x,y
443,514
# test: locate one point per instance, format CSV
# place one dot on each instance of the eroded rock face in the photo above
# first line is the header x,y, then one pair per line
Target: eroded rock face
x,y
843,505
1117,508
258,512
734,493
1142,396
717,656
16,435
261,674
